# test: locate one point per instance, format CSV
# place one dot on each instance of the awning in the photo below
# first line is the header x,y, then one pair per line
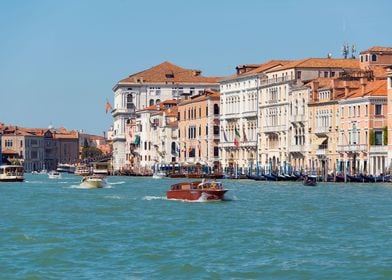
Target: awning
x,y
137,140
320,140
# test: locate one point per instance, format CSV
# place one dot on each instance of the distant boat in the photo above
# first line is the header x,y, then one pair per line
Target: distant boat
x,y
207,190
93,182
159,175
310,181
82,170
64,167
54,174
101,168
11,173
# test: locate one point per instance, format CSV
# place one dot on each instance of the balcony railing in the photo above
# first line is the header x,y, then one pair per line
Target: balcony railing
x,y
352,148
298,118
322,129
274,128
272,81
378,149
118,111
298,148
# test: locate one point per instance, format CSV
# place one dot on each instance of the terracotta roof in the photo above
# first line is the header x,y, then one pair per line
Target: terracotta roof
x,y
168,72
173,123
377,49
161,105
208,94
379,71
372,88
319,63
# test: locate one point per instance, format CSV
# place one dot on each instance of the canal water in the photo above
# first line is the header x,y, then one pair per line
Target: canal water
x,y
52,229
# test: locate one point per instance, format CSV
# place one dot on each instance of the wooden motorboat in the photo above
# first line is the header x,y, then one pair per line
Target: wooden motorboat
x,y
205,190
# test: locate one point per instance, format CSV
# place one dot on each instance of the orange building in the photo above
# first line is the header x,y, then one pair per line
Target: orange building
x,y
199,130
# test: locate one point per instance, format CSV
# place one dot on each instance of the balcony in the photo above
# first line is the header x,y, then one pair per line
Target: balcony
x,y
275,128
298,119
378,149
352,148
321,152
268,82
249,114
297,149
322,130
119,111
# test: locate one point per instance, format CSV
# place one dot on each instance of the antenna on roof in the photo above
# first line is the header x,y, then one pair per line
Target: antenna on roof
x,y
353,51
345,50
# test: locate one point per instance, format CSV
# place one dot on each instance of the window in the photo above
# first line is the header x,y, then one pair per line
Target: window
x,y
207,111
361,58
374,57
216,130
378,138
299,75
378,110
325,74
332,74
216,152
366,110
207,130
130,104
178,116
216,109
151,102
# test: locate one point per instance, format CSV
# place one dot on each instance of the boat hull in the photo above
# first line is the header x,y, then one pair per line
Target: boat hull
x,y
192,195
12,179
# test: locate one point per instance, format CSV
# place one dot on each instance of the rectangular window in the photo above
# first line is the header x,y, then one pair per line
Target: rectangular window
x,y
207,130
378,138
378,110
299,75
216,152
216,130
366,110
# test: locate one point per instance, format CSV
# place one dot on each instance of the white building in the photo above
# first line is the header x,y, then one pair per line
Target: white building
x,y
162,82
239,110
156,131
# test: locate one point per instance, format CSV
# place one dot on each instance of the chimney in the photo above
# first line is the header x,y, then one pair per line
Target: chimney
x,y
334,85
315,87
346,89
363,85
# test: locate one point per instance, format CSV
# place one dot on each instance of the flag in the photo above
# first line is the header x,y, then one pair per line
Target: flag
x,y
237,137
108,106
245,138
225,136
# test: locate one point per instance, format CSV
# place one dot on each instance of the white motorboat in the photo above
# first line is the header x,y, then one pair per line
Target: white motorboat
x,y
93,182
54,174
159,175
11,173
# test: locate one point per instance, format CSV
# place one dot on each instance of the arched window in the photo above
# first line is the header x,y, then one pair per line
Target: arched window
x,y
374,57
158,101
130,104
151,102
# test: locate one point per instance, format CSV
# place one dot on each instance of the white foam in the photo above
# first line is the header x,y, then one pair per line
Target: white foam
x,y
154,198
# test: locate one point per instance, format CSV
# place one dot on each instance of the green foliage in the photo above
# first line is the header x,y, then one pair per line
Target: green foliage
x,y
90,152
371,137
385,140
15,161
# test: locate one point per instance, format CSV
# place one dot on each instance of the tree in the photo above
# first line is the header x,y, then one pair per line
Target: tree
x,y
90,152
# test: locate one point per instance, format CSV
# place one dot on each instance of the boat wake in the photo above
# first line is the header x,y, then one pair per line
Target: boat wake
x,y
112,197
148,197
117,183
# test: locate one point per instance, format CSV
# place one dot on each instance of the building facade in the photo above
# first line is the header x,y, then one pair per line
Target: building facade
x,y
165,81
274,105
199,130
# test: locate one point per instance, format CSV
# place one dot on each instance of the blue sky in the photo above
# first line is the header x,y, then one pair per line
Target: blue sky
x,y
60,59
